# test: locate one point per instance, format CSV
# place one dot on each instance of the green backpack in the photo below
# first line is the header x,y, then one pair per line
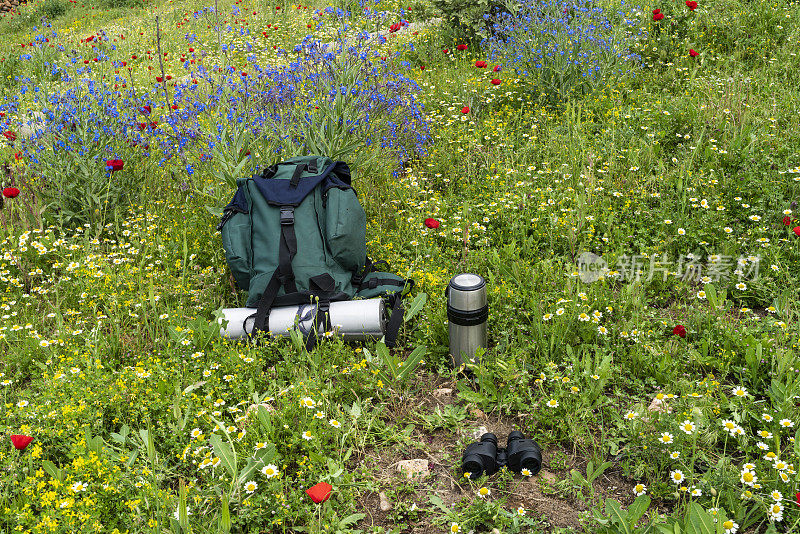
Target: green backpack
x,y
296,233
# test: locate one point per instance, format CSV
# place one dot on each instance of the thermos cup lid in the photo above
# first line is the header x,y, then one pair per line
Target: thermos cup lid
x,y
466,292
467,282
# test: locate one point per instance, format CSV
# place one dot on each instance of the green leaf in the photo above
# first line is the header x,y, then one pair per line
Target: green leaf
x,y
383,353
259,459
225,453
415,306
147,439
797,442
193,387
699,521
577,478
225,516
53,471
598,471
351,520
711,293
637,509
618,516
411,362
473,396
437,501
183,516
264,417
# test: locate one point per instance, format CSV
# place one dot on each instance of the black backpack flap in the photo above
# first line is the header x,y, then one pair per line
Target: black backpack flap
x,y
237,205
281,193
291,187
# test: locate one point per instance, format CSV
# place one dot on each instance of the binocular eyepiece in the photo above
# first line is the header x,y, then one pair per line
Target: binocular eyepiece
x,y
485,457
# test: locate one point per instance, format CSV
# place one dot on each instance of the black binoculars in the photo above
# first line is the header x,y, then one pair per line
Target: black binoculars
x,y
485,457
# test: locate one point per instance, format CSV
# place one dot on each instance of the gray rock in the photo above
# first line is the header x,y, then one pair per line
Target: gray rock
x,y
385,504
417,468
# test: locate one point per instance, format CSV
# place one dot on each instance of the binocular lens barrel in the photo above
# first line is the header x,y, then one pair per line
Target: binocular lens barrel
x,y
486,457
523,453
480,458
472,464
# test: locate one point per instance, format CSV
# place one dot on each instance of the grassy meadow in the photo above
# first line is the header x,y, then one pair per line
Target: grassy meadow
x,y
658,140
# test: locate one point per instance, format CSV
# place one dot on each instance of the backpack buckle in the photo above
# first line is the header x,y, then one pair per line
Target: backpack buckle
x,y
287,216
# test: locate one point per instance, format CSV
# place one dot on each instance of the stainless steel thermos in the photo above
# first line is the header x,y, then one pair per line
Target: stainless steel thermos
x,y
467,312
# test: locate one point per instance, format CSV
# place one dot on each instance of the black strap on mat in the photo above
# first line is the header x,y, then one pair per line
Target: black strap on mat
x,y
395,322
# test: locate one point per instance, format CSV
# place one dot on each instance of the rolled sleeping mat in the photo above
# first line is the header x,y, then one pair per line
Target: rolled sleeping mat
x,y
353,320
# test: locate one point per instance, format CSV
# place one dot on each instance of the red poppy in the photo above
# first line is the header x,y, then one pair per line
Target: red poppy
x,y
497,68
9,135
658,16
173,106
495,81
159,79
432,223
422,67
446,51
796,230
679,331
141,125
462,47
115,164
693,53
191,50
787,221
480,64
691,4
320,492
797,498
394,27
10,192
21,441
465,110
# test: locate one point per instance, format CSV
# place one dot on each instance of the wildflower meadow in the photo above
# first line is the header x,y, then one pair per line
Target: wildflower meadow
x,y
625,176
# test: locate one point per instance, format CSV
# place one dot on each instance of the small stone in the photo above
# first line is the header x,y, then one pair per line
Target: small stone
x,y
547,476
35,124
252,411
442,392
477,412
658,405
414,468
478,432
385,504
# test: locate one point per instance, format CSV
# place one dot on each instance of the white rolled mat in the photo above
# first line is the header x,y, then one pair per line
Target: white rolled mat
x,y
352,319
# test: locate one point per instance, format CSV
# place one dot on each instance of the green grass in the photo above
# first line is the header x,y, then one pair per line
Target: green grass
x,y
110,337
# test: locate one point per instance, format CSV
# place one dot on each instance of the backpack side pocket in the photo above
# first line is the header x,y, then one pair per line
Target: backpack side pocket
x,y
382,284
236,242
346,228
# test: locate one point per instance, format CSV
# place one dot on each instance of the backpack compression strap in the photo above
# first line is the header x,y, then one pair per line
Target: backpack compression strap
x,y
283,275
